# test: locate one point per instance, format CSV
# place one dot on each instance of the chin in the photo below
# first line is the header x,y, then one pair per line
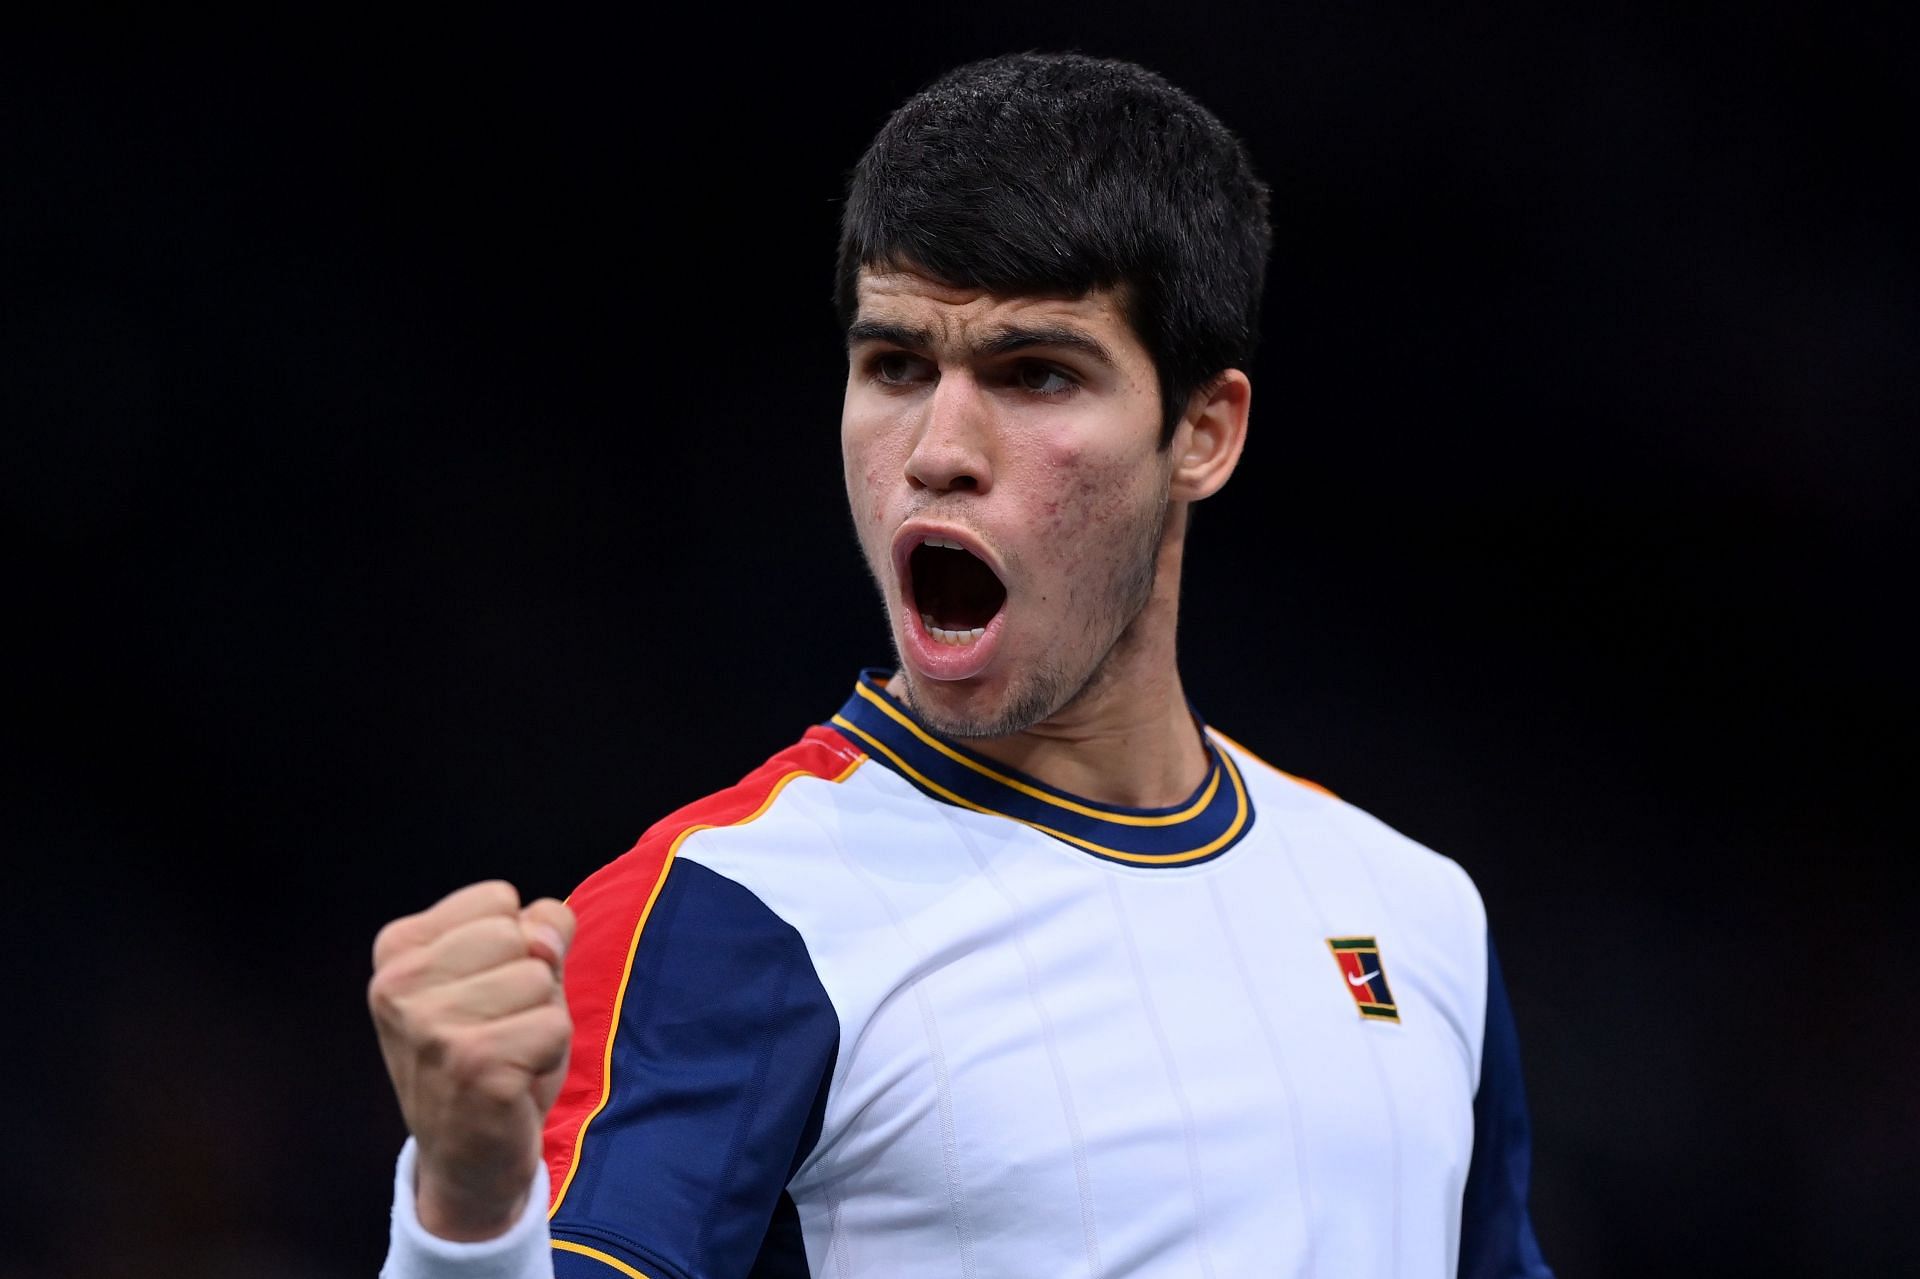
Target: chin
x,y
985,707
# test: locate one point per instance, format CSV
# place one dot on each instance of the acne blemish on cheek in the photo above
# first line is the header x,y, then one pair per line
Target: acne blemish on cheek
x,y
1064,456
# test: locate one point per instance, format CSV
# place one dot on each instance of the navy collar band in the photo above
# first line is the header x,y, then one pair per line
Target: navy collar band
x,y
1207,824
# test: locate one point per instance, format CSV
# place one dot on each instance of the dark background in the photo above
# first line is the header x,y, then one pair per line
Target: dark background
x,y
421,465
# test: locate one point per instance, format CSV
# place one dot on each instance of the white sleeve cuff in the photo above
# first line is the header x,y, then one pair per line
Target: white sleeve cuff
x,y
524,1252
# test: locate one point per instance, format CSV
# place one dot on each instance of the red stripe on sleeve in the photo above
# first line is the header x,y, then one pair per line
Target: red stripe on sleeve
x,y
611,908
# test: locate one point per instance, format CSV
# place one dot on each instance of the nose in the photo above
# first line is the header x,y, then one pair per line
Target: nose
x,y
951,453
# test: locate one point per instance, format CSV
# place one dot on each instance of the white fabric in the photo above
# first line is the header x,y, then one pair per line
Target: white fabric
x,y
413,1253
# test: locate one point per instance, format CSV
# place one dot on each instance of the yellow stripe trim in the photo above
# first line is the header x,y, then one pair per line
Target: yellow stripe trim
x,y
626,974
567,1246
1151,859
1124,819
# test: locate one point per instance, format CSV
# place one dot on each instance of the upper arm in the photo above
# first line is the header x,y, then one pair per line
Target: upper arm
x,y
702,1049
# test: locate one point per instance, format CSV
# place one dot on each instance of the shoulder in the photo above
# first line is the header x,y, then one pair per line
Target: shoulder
x,y
1338,844
820,756
615,901
1417,909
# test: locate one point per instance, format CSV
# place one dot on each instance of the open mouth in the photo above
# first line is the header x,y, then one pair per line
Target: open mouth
x,y
954,591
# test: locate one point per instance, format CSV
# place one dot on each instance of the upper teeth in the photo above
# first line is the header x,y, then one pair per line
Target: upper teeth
x,y
943,543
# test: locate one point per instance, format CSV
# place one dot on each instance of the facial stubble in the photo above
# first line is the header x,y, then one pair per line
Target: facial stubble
x,y
1038,694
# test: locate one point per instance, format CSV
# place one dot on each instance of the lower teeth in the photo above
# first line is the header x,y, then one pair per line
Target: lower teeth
x,y
944,636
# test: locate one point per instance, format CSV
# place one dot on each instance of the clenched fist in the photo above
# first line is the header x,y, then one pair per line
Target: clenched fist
x,y
473,1024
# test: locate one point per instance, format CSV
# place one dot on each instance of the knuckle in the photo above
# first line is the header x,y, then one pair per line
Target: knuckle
x,y
552,910
398,1022
387,941
387,995
505,930
532,977
394,979
498,894
475,947
554,1023
380,995
551,1054
550,1019
495,935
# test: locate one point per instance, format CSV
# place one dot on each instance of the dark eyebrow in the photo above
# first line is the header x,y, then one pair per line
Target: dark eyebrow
x,y
1019,337
892,334
1001,341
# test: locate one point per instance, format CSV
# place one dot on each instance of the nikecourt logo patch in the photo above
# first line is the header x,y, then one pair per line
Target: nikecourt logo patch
x,y
1359,960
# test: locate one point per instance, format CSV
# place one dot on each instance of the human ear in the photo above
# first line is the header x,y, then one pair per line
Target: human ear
x,y
1206,445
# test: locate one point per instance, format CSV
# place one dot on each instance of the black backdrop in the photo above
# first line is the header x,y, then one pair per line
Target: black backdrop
x,y
421,465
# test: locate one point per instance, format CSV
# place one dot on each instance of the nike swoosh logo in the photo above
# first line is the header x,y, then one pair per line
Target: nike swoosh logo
x,y
1362,979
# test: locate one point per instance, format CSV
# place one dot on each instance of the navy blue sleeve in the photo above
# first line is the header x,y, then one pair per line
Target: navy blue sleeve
x,y
1496,1232
721,1057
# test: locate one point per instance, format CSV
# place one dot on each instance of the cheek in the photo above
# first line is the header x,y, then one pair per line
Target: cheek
x,y
873,489
868,473
1087,533
1089,500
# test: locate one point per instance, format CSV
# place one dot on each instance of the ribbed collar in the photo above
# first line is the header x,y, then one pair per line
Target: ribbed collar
x,y
1207,824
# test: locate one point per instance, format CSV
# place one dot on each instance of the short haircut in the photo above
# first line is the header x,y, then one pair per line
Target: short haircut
x,y
1037,174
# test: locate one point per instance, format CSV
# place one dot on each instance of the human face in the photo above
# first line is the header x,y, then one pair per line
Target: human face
x,y
1004,473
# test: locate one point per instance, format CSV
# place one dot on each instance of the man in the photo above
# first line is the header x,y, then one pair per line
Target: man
x,y
1012,967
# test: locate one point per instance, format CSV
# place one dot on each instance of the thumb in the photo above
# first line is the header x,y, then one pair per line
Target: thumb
x,y
548,927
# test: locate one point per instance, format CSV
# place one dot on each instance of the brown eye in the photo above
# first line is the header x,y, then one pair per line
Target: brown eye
x,y
1043,379
895,367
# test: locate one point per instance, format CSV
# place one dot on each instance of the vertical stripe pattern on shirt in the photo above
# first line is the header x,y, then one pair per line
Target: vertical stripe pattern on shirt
x,y
1277,1056
1082,1179
937,1058
1173,1076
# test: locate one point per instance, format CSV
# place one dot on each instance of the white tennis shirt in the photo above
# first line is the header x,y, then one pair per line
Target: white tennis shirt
x,y
886,1008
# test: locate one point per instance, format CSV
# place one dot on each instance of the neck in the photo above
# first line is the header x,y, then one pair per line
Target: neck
x,y
1127,737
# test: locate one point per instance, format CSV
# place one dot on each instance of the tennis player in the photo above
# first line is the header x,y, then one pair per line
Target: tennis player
x,y
1012,965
